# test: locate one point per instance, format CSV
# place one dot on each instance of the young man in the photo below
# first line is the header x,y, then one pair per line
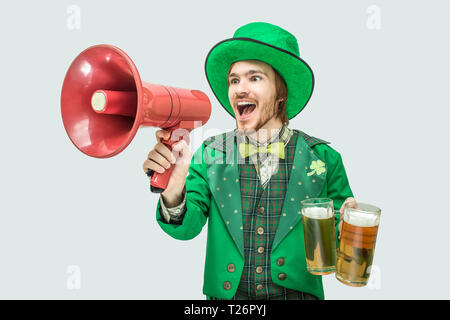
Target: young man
x,y
248,183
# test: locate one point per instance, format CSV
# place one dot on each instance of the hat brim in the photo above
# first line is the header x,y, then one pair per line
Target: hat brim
x,y
296,72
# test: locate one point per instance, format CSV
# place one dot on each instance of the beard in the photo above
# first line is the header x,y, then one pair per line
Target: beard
x,y
267,114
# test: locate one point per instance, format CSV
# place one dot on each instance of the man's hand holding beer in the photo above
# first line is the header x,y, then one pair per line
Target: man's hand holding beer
x,y
351,202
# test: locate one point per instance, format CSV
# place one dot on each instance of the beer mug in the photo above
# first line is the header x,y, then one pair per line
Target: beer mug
x,y
357,244
320,235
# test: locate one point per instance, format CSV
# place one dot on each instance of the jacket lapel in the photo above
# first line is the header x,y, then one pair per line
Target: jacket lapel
x,y
223,178
306,180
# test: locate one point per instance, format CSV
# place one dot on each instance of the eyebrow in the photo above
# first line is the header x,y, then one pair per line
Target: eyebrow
x,y
248,73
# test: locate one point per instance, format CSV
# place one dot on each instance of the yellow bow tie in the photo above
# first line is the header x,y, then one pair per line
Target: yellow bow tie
x,y
246,149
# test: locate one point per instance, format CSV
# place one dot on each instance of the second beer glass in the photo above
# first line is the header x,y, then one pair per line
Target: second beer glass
x,y
319,235
357,245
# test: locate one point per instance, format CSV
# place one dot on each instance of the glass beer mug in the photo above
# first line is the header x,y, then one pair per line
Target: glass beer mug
x,y
320,235
357,244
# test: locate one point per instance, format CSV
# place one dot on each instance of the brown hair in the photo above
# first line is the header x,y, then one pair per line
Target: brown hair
x,y
281,91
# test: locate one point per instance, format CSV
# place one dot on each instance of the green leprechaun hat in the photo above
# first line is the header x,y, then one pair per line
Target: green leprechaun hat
x,y
270,44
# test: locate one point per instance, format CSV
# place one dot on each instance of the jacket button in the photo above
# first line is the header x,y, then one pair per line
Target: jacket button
x,y
261,209
282,276
227,285
231,267
280,261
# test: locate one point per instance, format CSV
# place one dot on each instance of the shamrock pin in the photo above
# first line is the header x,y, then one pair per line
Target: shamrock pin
x,y
317,167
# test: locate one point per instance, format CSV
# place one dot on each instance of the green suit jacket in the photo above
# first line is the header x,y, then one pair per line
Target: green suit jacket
x,y
213,195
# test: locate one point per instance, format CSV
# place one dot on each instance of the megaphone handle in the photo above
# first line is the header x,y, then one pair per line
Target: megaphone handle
x,y
150,173
159,181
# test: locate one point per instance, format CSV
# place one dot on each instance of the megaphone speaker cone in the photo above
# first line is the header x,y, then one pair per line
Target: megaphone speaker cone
x,y
99,101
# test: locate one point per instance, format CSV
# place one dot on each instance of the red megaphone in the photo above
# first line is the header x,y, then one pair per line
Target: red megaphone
x,y
104,102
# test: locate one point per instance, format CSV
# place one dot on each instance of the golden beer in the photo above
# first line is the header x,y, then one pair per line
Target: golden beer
x,y
357,245
319,236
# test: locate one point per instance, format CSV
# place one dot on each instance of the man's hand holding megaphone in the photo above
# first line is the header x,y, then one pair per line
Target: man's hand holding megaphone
x,y
161,158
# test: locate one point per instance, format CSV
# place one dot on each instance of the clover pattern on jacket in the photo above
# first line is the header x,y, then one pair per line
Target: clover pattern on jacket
x,y
317,167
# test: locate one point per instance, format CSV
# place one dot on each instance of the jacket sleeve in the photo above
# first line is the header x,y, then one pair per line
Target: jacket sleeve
x,y
198,200
338,187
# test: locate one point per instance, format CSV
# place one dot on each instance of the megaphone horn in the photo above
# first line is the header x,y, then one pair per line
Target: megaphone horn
x,y
104,102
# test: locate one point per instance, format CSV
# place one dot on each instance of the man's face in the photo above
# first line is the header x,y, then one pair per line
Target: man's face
x,y
252,93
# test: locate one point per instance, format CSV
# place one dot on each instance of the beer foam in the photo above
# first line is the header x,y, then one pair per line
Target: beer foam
x,y
361,219
317,212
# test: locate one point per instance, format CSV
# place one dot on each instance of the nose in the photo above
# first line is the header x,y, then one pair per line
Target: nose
x,y
242,88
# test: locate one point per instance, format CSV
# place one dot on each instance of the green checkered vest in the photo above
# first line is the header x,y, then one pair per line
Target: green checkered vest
x,y
261,209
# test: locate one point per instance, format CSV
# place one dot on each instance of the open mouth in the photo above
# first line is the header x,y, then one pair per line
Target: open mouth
x,y
246,110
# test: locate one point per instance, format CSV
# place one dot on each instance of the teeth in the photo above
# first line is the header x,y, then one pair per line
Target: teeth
x,y
244,103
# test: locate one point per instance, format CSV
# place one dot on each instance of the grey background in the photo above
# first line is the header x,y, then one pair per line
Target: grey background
x,y
381,98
